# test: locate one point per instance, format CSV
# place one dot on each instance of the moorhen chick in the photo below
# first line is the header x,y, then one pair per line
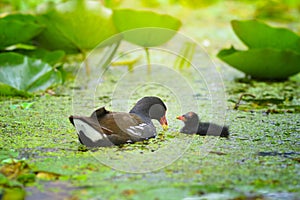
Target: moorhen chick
x,y
192,125
106,128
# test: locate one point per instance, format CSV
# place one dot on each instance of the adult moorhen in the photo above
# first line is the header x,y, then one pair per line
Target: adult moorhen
x,y
106,128
192,125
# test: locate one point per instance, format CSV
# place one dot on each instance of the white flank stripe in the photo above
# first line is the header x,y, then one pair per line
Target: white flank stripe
x,y
133,132
87,130
139,127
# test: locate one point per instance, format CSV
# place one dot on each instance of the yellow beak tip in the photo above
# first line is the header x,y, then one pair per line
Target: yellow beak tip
x,y
165,127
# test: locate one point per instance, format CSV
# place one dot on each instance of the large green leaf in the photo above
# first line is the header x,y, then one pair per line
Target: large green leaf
x,y
27,74
6,90
18,28
51,57
264,63
75,25
256,34
147,28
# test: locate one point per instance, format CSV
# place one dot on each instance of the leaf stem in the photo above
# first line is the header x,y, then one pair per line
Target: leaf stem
x,y
108,56
237,104
148,58
86,63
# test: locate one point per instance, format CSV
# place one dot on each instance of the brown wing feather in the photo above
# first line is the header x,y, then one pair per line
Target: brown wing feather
x,y
113,124
118,122
100,112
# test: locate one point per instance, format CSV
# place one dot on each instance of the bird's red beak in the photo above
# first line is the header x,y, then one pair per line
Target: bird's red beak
x,y
182,118
164,123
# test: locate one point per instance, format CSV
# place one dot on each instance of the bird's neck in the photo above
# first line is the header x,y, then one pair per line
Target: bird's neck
x,y
191,126
142,113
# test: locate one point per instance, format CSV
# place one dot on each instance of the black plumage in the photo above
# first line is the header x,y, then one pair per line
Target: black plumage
x,y
192,125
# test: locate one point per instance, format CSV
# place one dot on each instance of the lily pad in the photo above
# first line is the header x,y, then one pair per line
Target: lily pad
x,y
12,25
6,90
256,34
75,26
263,63
27,74
150,28
51,57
